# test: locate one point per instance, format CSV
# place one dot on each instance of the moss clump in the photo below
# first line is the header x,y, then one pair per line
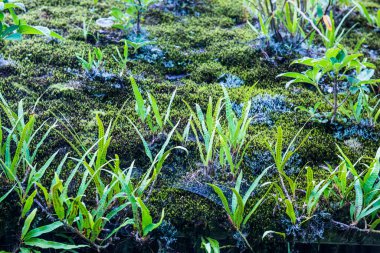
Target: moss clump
x,y
207,72
181,208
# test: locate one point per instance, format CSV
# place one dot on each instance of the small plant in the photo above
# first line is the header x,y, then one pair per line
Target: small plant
x,y
367,190
373,20
333,33
151,114
288,190
286,21
237,215
124,19
204,127
30,240
121,20
115,197
21,134
264,27
94,61
233,137
331,74
15,29
122,58
137,44
361,108
291,20
364,203
136,8
86,28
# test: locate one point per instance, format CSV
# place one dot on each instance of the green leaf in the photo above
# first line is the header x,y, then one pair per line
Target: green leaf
x,y
141,110
27,223
371,177
38,30
239,212
153,226
43,230
156,111
43,244
28,203
358,197
167,115
290,211
6,194
57,201
254,185
222,197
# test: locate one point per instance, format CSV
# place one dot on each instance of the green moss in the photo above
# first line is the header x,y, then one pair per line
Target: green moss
x,y
201,48
207,72
181,208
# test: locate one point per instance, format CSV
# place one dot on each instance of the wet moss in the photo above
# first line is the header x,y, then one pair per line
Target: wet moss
x,y
181,208
196,50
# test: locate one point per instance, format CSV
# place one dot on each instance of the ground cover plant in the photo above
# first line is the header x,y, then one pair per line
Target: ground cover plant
x,y
189,126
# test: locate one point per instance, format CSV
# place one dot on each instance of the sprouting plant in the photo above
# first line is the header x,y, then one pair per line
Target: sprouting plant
x,y
367,190
204,127
281,159
26,192
136,45
93,62
121,20
333,33
361,108
210,245
237,210
365,184
264,27
373,20
233,137
157,162
331,74
314,191
151,114
18,27
21,134
136,9
288,186
86,26
209,132
281,20
30,240
114,195
18,162
291,20
122,58
143,221
132,13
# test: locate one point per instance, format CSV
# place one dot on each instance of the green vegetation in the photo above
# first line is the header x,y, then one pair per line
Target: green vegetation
x,y
17,27
338,67
166,127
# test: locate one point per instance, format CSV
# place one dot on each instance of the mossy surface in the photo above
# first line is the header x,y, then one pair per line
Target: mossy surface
x,y
194,51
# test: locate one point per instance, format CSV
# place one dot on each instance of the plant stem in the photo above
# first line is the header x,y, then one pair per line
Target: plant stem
x,y
335,106
245,240
353,227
